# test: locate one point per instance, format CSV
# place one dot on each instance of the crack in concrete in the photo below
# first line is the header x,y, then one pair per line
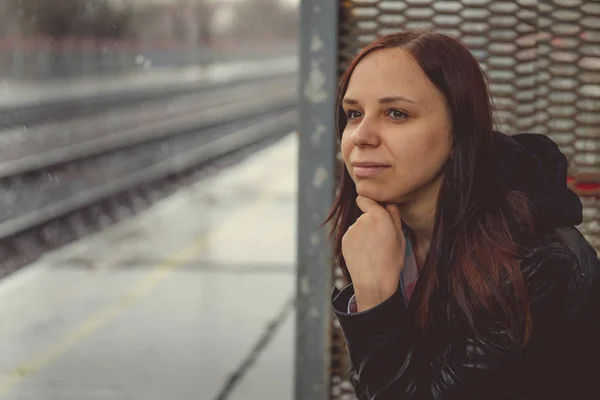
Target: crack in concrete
x,y
269,333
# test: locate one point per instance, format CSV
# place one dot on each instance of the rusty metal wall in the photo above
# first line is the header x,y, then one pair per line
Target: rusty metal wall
x,y
316,105
542,58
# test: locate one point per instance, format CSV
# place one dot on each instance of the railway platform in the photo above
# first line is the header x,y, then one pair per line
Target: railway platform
x,y
192,299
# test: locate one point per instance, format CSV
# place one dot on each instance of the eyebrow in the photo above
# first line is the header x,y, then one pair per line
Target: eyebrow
x,y
383,100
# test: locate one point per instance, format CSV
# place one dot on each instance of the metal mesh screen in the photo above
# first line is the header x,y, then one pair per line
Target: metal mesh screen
x,y
542,59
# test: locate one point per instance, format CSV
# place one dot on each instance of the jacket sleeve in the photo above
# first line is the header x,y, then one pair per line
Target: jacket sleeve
x,y
389,363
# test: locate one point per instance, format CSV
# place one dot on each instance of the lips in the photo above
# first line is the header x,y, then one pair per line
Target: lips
x,y
366,169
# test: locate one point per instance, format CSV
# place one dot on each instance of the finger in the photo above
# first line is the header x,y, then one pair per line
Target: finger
x,y
395,213
368,205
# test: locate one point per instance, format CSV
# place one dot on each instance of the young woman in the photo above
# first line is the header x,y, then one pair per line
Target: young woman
x,y
468,277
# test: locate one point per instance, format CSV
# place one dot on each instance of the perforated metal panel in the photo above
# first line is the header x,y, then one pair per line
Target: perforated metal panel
x,y
543,62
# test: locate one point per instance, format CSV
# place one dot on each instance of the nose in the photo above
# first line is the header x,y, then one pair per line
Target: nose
x,y
365,134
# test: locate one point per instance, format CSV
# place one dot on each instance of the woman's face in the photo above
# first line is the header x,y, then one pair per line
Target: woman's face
x,y
398,133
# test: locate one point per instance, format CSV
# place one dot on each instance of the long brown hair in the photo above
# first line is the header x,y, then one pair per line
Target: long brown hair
x,y
474,251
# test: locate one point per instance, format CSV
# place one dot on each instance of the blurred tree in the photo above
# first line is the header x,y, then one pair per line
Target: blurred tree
x,y
72,18
105,20
189,21
265,19
53,18
205,11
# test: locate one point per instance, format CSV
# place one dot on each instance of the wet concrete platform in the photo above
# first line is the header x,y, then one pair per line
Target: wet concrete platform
x,y
191,300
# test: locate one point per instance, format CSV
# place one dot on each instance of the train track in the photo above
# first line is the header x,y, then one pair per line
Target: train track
x,y
56,196
71,106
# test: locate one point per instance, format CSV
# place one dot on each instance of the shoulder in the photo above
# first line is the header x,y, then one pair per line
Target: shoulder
x,y
563,262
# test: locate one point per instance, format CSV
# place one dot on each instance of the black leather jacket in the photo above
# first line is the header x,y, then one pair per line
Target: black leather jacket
x,y
391,359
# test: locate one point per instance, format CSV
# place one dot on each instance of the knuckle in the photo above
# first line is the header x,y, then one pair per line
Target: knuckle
x,y
373,218
347,236
368,216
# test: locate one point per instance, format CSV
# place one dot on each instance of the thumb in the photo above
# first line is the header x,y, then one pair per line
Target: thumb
x,y
395,213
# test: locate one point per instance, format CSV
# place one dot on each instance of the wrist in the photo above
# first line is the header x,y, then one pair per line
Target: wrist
x,y
370,298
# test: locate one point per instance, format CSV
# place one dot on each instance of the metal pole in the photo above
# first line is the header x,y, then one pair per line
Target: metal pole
x,y
318,82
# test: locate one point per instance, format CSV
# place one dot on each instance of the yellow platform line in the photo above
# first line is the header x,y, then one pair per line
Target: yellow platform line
x,y
176,261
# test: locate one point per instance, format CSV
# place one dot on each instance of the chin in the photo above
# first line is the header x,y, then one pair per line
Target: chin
x,y
376,192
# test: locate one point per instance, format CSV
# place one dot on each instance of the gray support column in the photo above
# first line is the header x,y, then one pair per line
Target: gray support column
x,y
318,82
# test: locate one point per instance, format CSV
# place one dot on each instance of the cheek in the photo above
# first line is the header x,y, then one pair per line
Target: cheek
x,y
345,147
441,146
435,151
422,155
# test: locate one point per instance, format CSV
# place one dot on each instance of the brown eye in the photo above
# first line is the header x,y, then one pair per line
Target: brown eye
x,y
352,114
397,114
